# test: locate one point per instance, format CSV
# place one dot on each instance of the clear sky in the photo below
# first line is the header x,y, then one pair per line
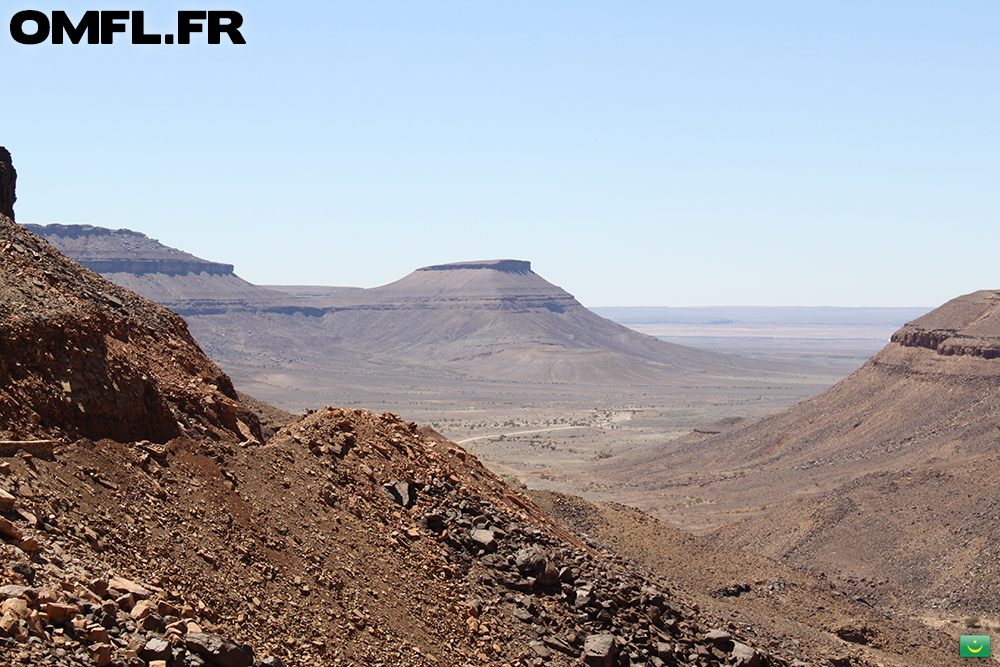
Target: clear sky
x,y
637,153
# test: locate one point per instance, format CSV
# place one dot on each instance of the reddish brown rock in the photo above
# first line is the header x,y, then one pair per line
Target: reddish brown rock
x,y
8,182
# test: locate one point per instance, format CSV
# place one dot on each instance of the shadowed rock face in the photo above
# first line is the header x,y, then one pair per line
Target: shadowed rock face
x,y
82,357
8,181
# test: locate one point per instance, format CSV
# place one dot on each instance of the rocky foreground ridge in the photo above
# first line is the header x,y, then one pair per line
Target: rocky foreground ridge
x,y
82,357
142,525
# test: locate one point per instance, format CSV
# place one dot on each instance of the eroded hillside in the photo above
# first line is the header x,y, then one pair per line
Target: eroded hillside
x,y
131,537
886,481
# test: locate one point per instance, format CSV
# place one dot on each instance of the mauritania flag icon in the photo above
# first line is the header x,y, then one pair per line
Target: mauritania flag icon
x,y
974,646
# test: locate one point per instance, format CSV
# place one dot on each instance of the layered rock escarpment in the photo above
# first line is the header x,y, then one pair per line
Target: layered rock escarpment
x,y
186,284
123,251
966,326
8,181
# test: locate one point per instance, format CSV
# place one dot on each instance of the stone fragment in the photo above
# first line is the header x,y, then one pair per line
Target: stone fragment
x,y
16,606
156,648
153,622
101,654
126,586
400,493
217,650
13,591
599,650
530,561
60,613
7,622
522,614
549,576
45,595
523,585
10,531
484,538
142,609
744,656
6,501
560,645
717,636
539,649
99,587
29,545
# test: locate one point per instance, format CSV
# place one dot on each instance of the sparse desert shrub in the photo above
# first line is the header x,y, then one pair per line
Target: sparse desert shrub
x,y
972,622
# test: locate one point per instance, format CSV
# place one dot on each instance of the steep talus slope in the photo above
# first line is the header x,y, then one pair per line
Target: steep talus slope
x,y
82,357
886,480
351,539
767,598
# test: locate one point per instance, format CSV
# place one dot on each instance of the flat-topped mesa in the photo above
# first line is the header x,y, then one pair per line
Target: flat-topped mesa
x,y
8,183
124,251
503,265
485,283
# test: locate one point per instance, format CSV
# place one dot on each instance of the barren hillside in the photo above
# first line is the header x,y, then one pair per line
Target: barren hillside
x,y
161,533
348,538
886,481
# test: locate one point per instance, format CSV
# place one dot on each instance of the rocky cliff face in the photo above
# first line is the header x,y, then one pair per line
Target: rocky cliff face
x,y
8,181
123,251
966,326
82,357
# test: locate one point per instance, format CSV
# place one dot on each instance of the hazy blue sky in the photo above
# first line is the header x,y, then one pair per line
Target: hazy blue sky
x,y
638,153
